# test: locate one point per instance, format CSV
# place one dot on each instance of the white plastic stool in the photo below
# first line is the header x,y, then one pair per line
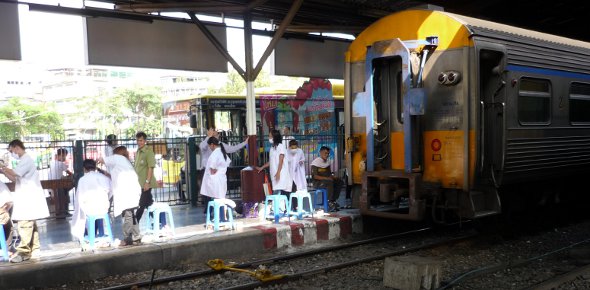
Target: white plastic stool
x,y
300,196
218,208
276,201
154,218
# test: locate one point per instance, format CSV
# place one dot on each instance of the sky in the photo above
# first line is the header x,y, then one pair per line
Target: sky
x,y
57,40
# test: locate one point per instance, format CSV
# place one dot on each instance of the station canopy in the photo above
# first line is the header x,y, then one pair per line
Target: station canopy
x,y
173,44
564,18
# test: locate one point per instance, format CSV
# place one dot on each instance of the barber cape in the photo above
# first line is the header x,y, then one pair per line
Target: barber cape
x,y
5,194
91,198
321,163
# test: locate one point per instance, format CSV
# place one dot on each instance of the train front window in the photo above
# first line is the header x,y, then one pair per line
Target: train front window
x,y
534,101
579,103
222,120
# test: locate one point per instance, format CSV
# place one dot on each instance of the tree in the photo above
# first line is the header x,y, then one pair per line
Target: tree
x,y
235,84
128,111
145,107
18,119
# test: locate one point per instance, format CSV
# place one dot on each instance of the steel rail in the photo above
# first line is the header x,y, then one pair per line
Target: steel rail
x,y
207,272
297,276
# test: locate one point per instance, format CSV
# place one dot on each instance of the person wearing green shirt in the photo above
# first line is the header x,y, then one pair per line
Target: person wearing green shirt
x,y
145,161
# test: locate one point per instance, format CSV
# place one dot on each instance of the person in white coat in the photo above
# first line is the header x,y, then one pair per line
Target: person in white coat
x,y
29,202
206,151
215,178
297,166
91,198
278,164
126,193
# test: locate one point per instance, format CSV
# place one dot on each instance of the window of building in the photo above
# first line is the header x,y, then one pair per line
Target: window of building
x,y
579,103
534,101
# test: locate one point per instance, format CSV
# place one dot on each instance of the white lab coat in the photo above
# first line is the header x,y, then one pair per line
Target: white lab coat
x,y
297,168
29,198
205,151
125,185
57,169
5,194
285,182
92,198
215,185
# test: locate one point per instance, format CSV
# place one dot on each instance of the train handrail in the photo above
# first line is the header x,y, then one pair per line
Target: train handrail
x,y
482,133
503,136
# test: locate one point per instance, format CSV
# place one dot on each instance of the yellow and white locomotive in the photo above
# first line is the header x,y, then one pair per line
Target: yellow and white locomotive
x,y
444,111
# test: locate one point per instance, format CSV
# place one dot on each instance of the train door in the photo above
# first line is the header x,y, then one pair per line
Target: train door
x,y
491,60
388,136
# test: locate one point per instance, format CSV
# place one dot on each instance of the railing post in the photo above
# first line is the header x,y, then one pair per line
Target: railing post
x,y
78,160
192,167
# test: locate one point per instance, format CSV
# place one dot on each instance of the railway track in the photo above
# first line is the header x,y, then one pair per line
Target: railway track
x,y
274,262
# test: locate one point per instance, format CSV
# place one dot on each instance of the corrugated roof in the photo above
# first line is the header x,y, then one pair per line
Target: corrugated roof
x,y
475,24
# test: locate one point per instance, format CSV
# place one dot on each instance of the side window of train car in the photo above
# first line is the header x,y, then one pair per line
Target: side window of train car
x,y
534,101
579,103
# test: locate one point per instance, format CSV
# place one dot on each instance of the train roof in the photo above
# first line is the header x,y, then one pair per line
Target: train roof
x,y
454,31
478,25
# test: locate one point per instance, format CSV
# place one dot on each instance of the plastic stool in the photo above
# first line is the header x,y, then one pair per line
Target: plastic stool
x,y
323,191
218,206
300,196
276,200
90,225
3,244
153,219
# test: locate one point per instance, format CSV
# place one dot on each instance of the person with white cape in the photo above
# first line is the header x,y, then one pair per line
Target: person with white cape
x,y
297,166
91,198
324,177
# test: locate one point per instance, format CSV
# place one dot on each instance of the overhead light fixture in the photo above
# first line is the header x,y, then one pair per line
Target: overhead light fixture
x,y
89,12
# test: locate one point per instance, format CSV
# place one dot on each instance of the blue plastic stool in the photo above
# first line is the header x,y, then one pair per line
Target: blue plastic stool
x,y
218,208
153,218
300,197
90,225
323,191
3,244
276,200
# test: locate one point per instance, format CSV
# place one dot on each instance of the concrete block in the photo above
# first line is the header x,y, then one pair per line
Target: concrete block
x,y
411,273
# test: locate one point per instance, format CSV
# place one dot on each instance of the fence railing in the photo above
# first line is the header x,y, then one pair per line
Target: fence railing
x,y
174,157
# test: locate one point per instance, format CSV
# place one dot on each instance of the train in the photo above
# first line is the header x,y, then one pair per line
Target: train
x,y
449,116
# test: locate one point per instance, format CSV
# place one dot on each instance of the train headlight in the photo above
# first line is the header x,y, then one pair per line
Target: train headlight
x,y
442,78
449,78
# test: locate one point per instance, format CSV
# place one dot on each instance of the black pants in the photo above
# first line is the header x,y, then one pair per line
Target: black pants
x,y
145,200
200,174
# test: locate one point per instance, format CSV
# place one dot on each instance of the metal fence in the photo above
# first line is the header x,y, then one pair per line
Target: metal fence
x,y
174,157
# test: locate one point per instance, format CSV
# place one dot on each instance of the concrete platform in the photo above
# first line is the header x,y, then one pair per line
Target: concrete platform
x,y
62,260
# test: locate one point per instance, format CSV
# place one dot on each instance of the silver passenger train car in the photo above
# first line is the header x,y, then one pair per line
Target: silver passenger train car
x,y
446,113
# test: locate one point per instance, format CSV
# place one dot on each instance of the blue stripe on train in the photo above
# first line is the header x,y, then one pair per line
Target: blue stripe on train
x,y
551,72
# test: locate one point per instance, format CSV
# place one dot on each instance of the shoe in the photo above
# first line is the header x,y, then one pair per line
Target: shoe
x,y
333,206
36,255
19,258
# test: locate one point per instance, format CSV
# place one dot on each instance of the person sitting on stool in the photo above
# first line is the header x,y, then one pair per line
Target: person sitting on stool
x,y
323,177
91,198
